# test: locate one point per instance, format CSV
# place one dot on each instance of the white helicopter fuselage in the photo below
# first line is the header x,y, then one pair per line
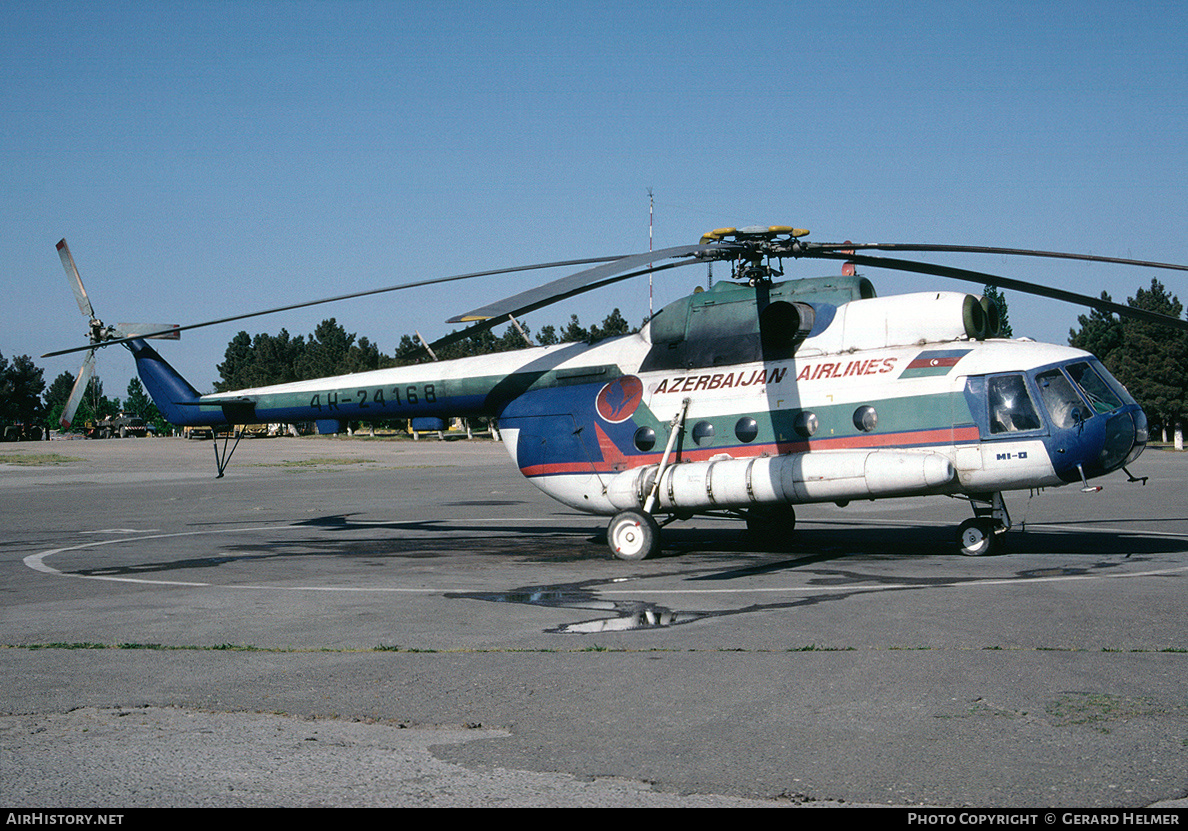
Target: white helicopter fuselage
x,y
923,439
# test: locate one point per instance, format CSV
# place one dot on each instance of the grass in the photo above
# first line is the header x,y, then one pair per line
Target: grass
x,y
320,461
33,459
232,647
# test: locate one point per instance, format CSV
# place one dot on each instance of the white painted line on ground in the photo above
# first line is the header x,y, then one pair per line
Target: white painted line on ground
x,y
37,563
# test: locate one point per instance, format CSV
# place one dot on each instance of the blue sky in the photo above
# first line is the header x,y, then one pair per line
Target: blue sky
x,y
206,159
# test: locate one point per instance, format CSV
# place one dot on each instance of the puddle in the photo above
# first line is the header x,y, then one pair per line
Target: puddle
x,y
624,615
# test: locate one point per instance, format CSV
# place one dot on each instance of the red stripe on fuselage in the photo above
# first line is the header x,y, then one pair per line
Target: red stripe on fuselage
x,y
912,440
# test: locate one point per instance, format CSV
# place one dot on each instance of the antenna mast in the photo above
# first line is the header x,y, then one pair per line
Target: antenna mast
x,y
650,206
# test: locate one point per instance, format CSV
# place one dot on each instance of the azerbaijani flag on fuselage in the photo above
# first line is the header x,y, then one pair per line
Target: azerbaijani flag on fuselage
x,y
933,362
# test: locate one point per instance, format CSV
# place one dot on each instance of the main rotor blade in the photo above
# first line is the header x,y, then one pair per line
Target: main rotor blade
x,y
353,295
80,293
982,278
492,322
163,331
582,281
979,249
77,391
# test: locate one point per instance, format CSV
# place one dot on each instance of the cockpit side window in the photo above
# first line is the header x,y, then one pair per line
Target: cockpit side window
x,y
1064,406
1103,398
1011,408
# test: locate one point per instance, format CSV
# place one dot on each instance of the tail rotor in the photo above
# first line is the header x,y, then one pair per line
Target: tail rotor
x,y
98,333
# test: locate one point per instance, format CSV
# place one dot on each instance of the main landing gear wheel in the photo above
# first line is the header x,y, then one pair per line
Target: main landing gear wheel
x,y
980,537
633,535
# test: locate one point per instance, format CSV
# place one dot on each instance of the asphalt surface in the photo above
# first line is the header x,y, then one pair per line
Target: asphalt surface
x,y
360,622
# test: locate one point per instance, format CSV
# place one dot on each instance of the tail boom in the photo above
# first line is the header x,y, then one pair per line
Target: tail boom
x,y
177,400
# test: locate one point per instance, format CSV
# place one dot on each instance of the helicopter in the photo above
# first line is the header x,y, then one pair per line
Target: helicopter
x,y
740,401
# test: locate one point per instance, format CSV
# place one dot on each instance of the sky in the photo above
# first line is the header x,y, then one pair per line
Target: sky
x,y
204,159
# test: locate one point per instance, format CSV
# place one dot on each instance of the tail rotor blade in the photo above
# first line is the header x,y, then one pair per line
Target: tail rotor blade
x,y
80,293
78,390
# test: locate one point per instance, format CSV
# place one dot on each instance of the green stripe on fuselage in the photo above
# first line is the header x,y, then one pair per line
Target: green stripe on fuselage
x,y
484,395
917,413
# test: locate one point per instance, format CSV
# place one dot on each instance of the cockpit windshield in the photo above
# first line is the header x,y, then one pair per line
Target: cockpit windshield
x,y
1070,394
1103,395
1064,406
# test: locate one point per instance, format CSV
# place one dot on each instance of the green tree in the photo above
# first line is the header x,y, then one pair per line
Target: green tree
x,y
237,364
139,404
364,356
613,325
7,402
261,360
59,391
511,339
410,351
21,386
547,336
1152,360
479,343
574,332
1100,332
327,352
275,359
94,405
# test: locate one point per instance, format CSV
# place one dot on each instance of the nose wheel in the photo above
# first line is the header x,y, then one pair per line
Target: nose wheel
x,y
980,537
633,535
985,533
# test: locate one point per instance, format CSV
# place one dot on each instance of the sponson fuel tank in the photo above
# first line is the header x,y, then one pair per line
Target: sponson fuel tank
x,y
824,476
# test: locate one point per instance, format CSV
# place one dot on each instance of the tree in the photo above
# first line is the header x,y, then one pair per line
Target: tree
x,y
410,351
140,405
137,403
547,336
59,391
7,406
365,356
512,340
261,360
21,386
237,363
993,294
1100,332
93,405
613,325
275,359
574,332
327,351
1152,360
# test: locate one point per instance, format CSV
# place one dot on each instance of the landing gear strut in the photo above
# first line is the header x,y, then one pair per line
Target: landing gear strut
x,y
635,535
985,533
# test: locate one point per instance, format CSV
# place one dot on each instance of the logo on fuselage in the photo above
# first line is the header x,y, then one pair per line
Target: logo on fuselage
x,y
618,400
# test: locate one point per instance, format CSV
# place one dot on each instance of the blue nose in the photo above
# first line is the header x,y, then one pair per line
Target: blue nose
x,y
1125,438
1099,445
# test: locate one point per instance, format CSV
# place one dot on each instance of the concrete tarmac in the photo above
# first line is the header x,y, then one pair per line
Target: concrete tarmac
x,y
348,622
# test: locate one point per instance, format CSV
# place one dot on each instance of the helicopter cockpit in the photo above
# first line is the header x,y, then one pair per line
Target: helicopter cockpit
x,y
1088,420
